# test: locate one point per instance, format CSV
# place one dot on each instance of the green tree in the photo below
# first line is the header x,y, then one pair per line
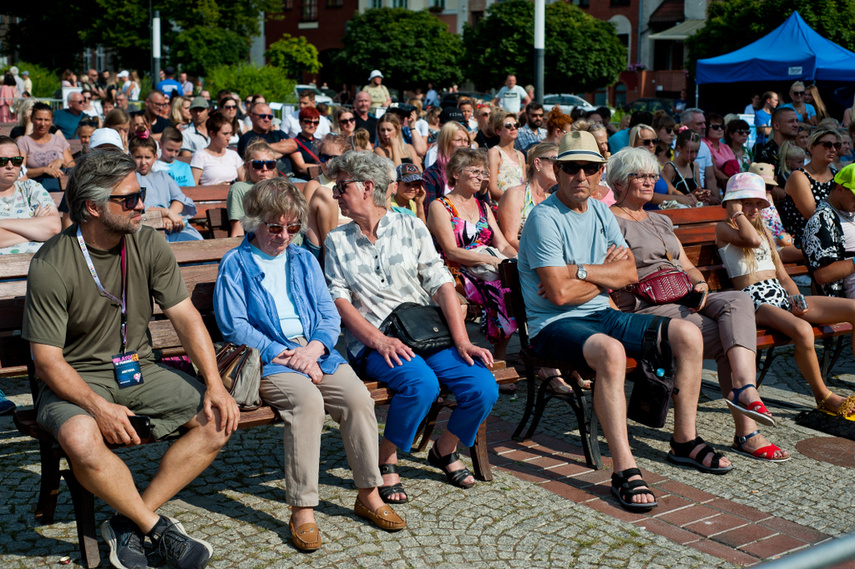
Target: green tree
x,y
410,48
45,81
200,49
269,81
734,24
582,53
293,55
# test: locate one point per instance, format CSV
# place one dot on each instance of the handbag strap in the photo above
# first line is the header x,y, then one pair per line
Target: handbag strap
x,y
656,340
303,146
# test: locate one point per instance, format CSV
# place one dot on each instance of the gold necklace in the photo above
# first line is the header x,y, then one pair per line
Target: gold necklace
x,y
655,231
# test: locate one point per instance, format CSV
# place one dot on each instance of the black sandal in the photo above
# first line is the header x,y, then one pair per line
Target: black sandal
x,y
624,489
680,452
455,478
387,491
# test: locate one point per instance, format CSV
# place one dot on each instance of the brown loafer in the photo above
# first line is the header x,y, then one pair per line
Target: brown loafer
x,y
306,537
384,518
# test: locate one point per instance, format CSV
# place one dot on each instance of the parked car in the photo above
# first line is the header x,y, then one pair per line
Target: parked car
x,y
450,99
652,105
566,103
320,97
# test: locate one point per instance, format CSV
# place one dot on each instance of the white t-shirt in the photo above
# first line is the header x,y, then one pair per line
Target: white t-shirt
x,y
423,127
848,245
216,169
511,99
704,160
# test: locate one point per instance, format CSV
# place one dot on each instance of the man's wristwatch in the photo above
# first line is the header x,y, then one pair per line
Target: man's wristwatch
x,y
581,273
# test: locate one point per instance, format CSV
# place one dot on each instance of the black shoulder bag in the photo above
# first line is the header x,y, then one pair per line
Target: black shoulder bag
x,y
653,378
422,328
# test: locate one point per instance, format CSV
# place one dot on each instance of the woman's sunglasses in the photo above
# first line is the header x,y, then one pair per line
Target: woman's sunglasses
x,y
277,228
130,201
263,164
511,125
346,121
828,145
15,160
307,121
649,141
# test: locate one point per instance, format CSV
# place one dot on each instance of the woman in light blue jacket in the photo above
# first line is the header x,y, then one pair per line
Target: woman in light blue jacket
x,y
272,296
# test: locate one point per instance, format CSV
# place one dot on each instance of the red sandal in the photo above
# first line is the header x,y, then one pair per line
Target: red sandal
x,y
754,410
766,453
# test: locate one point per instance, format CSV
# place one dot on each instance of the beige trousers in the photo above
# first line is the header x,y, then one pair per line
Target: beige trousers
x,y
302,406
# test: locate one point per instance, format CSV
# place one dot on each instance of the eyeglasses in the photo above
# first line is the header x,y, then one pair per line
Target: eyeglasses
x,y
263,164
346,121
15,160
340,187
797,93
511,125
130,201
649,141
828,145
229,107
742,131
161,105
308,121
264,117
477,173
644,177
572,168
327,157
277,228
716,126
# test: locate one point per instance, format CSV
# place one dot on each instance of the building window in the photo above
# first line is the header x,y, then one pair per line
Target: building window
x,y
376,3
335,3
399,4
287,4
620,2
437,5
310,11
582,3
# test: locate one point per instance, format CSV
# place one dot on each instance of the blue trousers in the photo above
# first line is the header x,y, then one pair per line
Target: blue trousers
x,y
416,385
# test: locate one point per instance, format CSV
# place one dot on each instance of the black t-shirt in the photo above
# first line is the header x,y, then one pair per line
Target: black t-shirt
x,y
369,124
157,126
484,142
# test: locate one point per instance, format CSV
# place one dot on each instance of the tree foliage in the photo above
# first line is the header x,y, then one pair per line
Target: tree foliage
x,y
269,81
45,81
734,24
410,48
582,53
200,49
293,55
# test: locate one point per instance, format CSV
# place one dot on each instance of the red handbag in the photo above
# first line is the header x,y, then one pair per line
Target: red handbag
x,y
664,286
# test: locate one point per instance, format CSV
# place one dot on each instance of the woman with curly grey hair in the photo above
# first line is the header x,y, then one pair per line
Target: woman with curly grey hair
x,y
273,297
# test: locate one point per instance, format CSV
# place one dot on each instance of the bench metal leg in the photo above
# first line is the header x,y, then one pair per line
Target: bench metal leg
x,y
84,515
767,363
478,454
531,385
830,355
543,398
49,487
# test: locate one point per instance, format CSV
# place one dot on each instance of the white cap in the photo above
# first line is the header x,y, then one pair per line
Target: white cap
x,y
123,73
104,136
375,73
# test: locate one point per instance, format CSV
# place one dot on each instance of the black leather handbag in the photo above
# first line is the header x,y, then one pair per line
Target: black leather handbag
x,y
422,328
653,379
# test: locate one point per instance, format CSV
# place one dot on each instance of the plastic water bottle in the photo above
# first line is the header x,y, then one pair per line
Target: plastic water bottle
x,y
660,372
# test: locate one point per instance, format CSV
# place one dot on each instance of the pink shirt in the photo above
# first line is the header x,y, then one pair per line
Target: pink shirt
x,y
40,155
720,155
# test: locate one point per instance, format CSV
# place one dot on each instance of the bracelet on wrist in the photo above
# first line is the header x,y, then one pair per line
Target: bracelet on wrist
x,y
735,215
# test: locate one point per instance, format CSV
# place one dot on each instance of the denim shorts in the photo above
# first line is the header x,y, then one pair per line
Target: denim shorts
x,y
565,339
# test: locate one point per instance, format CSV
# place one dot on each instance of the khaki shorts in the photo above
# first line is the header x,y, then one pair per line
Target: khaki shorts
x,y
170,397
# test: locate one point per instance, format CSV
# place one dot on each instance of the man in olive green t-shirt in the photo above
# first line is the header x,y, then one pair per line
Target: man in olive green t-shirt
x,y
89,302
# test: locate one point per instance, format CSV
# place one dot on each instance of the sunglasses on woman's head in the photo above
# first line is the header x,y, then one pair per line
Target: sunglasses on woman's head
x,y
130,201
15,160
572,168
327,157
263,164
278,228
828,145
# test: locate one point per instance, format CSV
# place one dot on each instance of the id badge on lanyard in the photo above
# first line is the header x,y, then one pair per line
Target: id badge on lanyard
x,y
126,365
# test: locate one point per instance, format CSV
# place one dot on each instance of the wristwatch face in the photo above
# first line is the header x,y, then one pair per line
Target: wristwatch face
x,y
581,273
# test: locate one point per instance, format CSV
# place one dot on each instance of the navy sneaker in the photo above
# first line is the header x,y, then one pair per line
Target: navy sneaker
x,y
173,544
6,406
126,543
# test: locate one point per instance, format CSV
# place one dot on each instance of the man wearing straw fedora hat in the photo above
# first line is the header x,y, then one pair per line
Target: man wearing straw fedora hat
x,y
571,254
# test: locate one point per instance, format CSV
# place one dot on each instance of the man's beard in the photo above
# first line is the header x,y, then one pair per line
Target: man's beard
x,y
119,224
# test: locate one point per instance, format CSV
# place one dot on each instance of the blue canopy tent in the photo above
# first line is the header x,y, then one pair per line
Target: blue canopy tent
x,y
793,51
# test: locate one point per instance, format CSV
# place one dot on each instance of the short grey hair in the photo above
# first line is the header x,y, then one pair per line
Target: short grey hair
x,y
272,199
94,178
629,161
71,94
364,166
686,115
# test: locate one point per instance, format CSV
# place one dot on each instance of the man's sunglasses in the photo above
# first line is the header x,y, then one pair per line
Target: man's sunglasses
x,y
828,145
277,228
130,201
572,168
263,164
327,157
15,160
262,117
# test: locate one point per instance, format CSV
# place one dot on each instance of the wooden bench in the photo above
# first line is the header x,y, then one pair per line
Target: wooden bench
x,y
696,230
198,261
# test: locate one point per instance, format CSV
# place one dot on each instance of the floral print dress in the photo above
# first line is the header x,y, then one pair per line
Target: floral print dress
x,y
496,324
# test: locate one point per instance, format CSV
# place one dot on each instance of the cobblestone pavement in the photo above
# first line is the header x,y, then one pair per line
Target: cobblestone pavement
x,y
514,521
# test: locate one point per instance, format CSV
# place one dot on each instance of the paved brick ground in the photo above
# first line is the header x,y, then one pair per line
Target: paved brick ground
x,y
543,509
